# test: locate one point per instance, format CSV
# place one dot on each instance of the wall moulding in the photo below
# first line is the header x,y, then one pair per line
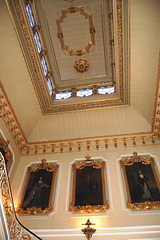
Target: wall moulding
x,y
71,145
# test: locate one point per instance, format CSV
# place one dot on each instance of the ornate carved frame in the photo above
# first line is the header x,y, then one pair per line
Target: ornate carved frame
x,y
35,168
140,205
4,145
88,208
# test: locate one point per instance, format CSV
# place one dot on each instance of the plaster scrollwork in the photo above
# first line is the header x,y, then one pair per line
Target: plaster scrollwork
x,y
15,230
70,10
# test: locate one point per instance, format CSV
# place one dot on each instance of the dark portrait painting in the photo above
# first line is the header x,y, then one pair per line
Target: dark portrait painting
x,y
88,187
4,149
141,182
38,190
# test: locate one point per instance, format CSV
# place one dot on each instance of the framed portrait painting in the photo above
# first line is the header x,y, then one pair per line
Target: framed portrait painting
x,y
38,190
141,182
88,187
4,149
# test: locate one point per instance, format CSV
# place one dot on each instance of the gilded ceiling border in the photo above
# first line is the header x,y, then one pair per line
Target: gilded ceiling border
x,y
30,44
71,145
48,106
81,144
76,145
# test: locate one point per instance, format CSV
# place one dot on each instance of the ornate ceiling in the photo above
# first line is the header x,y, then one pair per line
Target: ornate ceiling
x,y
84,45
77,49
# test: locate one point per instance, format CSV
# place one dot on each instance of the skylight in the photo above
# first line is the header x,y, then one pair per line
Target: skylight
x,y
84,93
104,90
43,62
49,86
29,12
37,42
63,95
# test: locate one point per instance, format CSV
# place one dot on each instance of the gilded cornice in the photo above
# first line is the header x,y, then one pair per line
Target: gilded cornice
x,y
74,145
49,106
32,52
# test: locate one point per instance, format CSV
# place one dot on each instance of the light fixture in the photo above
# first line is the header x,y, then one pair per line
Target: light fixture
x,y
88,231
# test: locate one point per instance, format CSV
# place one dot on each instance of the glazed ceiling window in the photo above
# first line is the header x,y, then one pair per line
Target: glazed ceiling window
x,y
80,66
80,53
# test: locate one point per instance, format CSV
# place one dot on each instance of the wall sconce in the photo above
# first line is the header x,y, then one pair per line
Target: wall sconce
x,y
88,231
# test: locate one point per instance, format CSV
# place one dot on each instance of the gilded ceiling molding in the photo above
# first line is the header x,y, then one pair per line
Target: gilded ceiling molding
x,y
120,48
47,104
91,144
32,51
156,115
92,30
71,145
10,120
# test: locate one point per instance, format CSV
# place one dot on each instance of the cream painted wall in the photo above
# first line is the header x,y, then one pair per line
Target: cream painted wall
x,y
111,121
61,222
144,54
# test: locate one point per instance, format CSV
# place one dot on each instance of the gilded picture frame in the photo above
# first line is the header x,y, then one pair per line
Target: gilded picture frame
x,y
38,190
142,185
4,149
88,187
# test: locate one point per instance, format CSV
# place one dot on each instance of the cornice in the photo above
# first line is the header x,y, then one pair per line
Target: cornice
x,y
113,142
75,145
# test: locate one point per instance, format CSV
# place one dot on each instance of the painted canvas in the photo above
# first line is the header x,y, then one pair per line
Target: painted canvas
x,y
88,187
38,191
141,182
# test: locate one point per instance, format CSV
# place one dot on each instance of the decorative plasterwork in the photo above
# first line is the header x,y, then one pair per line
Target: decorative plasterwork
x,y
71,145
81,66
71,10
82,144
32,53
49,106
15,230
